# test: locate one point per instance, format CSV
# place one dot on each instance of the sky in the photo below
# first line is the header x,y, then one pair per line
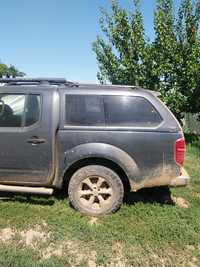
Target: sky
x,y
53,38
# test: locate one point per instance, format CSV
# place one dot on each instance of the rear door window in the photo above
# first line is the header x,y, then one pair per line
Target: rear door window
x,y
129,111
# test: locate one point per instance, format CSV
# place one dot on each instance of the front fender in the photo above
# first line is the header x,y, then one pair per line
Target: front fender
x,y
105,151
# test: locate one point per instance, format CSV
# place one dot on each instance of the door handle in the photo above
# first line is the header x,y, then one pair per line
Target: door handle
x,y
36,141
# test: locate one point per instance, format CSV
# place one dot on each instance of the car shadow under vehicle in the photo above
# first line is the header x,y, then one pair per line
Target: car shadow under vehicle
x,y
160,195
27,198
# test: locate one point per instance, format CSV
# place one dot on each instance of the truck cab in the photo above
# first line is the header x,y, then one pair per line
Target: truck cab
x,y
54,133
29,122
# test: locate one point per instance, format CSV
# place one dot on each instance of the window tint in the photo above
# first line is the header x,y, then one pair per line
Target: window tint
x,y
17,110
84,110
11,110
32,111
130,111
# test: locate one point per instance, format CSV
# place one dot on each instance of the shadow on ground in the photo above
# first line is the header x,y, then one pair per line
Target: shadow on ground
x,y
161,195
24,198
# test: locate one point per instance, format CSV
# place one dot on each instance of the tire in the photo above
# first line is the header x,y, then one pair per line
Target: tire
x,y
95,190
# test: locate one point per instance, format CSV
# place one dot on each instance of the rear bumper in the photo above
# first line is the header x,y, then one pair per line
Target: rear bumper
x,y
181,180
162,180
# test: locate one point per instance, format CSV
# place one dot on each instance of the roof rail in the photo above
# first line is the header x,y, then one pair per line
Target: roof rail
x,y
28,81
108,85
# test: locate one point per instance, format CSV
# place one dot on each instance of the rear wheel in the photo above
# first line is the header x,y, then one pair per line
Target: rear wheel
x,y
95,190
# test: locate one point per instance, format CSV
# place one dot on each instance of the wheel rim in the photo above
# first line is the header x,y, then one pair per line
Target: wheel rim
x,y
95,193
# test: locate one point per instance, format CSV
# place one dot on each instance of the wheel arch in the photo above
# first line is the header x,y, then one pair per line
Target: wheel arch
x,y
97,161
102,154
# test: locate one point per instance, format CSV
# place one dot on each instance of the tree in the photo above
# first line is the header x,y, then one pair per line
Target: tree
x,y
3,70
10,71
121,59
188,78
177,54
169,64
167,56
14,72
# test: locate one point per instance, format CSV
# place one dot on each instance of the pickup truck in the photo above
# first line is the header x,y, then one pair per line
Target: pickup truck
x,y
97,141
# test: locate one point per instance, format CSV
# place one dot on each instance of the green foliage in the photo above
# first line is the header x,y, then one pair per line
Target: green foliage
x,y
122,59
169,64
10,71
3,70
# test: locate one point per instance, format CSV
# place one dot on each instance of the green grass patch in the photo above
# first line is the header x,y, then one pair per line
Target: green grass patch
x,y
139,234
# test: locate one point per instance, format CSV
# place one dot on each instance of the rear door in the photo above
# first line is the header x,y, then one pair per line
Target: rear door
x,y
27,136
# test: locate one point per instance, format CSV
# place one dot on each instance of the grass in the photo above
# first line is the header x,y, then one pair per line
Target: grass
x,y
141,233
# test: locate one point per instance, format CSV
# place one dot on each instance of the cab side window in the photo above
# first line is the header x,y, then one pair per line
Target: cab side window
x,y
19,110
11,110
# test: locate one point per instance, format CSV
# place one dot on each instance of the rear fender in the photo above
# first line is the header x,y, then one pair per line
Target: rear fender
x,y
104,151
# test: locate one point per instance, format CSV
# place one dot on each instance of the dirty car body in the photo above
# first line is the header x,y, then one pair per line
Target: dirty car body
x,y
50,129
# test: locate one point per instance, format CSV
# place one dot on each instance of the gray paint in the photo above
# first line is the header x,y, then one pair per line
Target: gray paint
x,y
138,151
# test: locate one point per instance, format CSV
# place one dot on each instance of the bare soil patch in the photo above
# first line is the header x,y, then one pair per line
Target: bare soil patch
x,y
181,202
29,238
6,234
93,220
32,237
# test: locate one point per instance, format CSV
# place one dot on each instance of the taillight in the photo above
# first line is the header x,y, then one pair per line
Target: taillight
x,y
180,149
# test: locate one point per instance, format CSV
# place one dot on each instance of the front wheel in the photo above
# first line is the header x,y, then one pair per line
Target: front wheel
x,y
95,190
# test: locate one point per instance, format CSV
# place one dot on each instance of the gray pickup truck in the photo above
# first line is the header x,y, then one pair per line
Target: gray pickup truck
x,y
96,141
